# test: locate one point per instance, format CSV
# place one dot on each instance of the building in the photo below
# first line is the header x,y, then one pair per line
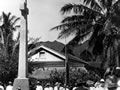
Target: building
x,y
48,59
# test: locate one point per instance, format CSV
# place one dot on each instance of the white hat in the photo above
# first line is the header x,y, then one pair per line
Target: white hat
x,y
102,80
56,83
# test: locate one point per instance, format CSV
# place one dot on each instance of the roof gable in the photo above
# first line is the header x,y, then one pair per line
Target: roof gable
x,y
35,50
71,58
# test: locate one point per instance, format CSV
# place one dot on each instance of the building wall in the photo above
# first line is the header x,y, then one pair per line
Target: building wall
x,y
44,56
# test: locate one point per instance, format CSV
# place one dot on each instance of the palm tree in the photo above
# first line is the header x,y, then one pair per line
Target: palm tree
x,y
6,33
8,46
96,21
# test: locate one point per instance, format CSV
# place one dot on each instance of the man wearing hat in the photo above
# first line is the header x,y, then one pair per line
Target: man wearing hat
x,y
39,86
50,87
9,87
47,86
56,86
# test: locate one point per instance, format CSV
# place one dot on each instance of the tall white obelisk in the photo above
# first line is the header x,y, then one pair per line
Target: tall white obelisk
x,y
22,81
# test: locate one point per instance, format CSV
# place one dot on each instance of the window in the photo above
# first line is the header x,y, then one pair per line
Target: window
x,y
42,54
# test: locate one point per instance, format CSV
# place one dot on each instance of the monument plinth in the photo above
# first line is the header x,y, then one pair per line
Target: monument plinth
x,y
22,82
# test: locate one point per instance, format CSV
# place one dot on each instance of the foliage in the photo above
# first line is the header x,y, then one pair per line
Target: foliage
x,y
96,21
75,76
8,48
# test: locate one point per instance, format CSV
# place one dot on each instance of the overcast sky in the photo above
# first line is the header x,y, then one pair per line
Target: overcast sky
x,y
43,15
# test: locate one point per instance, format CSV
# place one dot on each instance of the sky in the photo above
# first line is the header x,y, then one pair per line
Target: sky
x,y
43,15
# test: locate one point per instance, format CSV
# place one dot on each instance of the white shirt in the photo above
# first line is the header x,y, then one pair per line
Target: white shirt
x,y
105,88
56,88
74,88
1,87
92,88
66,88
39,87
9,87
50,88
61,88
118,88
46,88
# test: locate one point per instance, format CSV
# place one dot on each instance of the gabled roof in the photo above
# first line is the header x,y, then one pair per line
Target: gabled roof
x,y
35,50
71,58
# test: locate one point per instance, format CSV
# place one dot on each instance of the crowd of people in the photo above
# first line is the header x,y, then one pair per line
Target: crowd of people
x,y
6,87
109,83
103,84
48,86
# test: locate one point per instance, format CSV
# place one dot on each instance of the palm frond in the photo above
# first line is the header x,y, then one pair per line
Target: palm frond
x,y
106,3
12,18
74,29
15,47
78,9
15,21
74,24
66,8
87,1
78,39
66,33
85,8
74,18
93,4
9,15
5,18
59,27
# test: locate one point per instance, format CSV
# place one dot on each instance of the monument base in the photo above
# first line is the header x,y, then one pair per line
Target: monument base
x,y
21,84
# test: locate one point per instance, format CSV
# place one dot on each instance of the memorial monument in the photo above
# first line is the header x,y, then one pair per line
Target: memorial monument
x,y
22,82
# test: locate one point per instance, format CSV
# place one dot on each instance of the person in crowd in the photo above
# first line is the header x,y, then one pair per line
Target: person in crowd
x,y
75,86
39,86
97,85
110,82
82,86
47,86
67,88
10,86
56,87
1,86
102,84
91,87
50,87
61,87
90,84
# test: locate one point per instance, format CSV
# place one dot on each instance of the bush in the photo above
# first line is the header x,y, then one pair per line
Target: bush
x,y
75,76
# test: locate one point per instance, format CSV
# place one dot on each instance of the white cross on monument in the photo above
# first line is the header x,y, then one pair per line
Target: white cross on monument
x,y
22,81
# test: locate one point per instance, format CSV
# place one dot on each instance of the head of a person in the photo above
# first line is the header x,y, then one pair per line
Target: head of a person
x,y
56,84
48,85
10,83
38,83
76,84
102,81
